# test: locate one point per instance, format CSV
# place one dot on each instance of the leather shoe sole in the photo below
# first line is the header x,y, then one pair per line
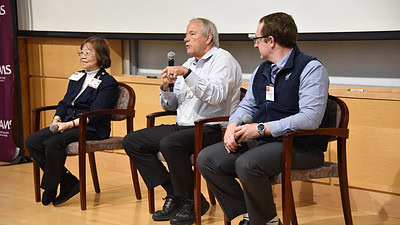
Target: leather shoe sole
x,y
63,198
166,217
246,222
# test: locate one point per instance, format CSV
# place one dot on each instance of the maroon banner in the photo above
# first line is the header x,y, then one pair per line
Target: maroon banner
x,y
7,145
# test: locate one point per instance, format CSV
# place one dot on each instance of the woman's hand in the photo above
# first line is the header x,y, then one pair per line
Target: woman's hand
x,y
65,126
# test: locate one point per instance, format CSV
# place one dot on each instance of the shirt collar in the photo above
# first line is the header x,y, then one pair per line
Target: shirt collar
x,y
208,54
282,62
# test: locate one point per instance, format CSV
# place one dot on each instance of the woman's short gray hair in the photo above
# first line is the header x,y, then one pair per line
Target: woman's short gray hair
x,y
209,28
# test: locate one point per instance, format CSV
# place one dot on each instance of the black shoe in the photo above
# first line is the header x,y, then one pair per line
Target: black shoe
x,y
186,215
171,206
244,222
48,197
69,186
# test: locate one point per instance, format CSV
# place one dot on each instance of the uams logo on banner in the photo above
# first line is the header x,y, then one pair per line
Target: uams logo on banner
x,y
5,124
2,10
5,69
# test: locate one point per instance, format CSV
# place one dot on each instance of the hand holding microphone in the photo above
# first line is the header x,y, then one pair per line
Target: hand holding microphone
x,y
247,119
60,127
230,142
54,128
171,62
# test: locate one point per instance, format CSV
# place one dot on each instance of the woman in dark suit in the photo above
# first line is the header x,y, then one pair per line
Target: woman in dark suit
x,y
89,89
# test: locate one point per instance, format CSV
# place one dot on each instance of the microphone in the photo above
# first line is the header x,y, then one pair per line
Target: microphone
x,y
54,128
171,62
247,119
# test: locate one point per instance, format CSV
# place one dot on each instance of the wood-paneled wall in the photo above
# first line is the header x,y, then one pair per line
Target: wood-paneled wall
x,y
373,147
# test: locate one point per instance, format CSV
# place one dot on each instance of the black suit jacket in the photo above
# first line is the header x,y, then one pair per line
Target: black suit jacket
x,y
104,97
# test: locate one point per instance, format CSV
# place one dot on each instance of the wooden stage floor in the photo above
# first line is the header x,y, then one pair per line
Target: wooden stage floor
x,y
116,204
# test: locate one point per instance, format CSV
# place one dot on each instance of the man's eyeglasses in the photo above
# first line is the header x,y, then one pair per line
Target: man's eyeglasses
x,y
81,53
256,39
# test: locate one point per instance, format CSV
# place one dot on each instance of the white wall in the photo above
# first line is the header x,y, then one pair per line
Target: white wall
x,y
233,16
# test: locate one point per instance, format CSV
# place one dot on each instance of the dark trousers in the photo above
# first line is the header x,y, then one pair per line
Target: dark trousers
x,y
48,150
176,143
253,163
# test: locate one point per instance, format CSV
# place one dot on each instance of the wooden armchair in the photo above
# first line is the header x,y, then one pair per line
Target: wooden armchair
x,y
338,115
124,110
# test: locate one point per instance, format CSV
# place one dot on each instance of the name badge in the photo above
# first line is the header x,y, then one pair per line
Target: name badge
x,y
94,83
269,93
76,76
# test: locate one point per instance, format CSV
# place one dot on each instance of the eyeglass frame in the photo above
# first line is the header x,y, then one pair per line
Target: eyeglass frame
x,y
81,53
256,40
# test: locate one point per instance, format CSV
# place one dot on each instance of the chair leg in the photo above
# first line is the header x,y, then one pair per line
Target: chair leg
x,y
211,195
150,199
344,185
36,180
135,180
286,203
93,169
197,195
82,180
293,210
344,191
226,222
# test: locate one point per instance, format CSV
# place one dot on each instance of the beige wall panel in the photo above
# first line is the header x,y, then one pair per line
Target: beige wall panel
x,y
54,90
116,56
57,57
373,149
60,57
36,96
34,57
35,92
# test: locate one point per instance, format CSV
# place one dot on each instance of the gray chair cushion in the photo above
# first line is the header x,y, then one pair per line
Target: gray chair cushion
x,y
112,143
327,169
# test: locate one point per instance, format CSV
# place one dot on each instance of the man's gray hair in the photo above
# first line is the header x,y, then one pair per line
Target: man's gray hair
x,y
209,28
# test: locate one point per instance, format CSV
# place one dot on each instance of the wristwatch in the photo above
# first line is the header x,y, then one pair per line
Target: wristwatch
x,y
187,74
261,129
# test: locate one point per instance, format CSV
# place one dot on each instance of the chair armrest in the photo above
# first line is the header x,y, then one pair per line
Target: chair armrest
x,y
336,132
152,116
201,122
44,108
35,125
160,114
198,132
288,143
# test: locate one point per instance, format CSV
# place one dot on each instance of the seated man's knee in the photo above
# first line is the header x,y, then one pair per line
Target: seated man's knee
x,y
244,168
127,141
132,143
202,160
205,160
169,146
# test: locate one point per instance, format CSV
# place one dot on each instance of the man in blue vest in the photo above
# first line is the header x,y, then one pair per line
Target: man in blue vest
x,y
287,92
